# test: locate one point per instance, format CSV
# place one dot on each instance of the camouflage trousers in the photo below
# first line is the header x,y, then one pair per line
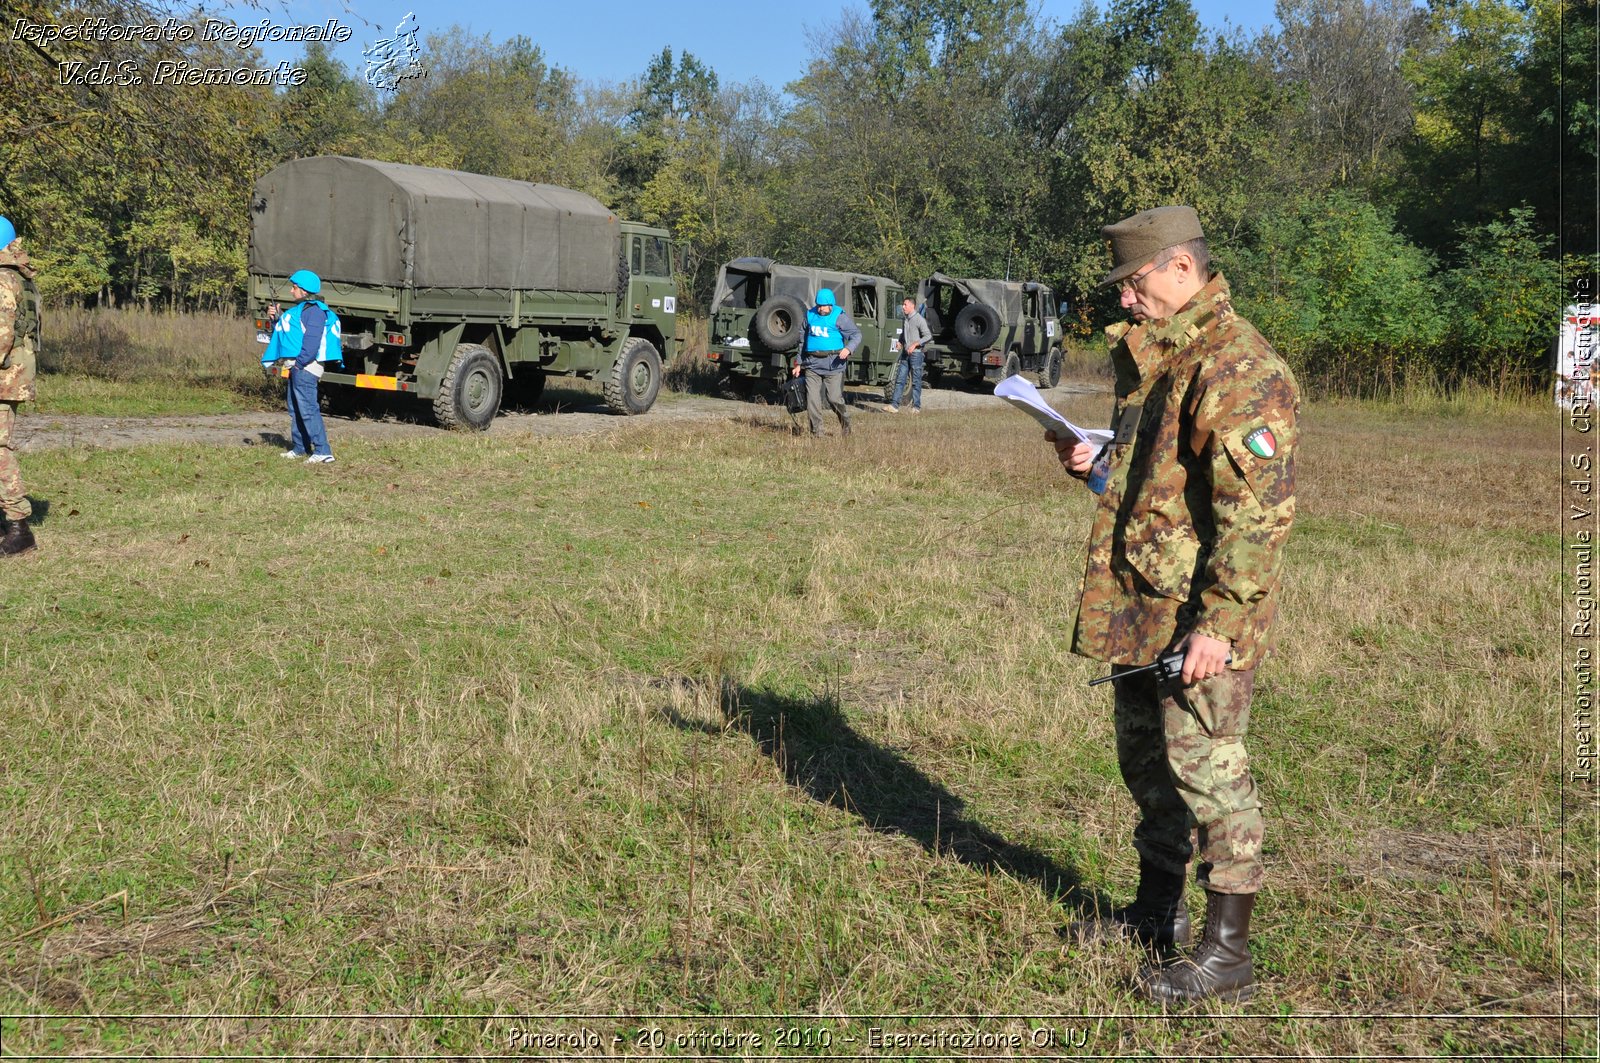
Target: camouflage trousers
x,y
1181,751
14,504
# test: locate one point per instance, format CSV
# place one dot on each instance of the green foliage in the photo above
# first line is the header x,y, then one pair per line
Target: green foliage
x,y
709,188
693,157
1136,109
326,115
77,163
969,136
1338,290
489,108
1500,294
1469,157
911,167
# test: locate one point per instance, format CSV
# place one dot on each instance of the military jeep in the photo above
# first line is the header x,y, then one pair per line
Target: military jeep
x,y
987,330
758,321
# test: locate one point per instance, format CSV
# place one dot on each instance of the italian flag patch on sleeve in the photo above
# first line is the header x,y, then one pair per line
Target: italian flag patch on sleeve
x,y
1261,442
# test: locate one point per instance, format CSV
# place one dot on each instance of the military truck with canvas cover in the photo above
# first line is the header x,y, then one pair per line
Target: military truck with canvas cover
x,y
989,329
758,320
455,287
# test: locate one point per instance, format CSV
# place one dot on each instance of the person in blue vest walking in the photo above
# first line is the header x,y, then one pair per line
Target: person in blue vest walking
x,y
831,337
308,335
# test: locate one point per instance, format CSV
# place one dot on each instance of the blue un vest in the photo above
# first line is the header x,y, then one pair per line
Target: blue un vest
x,y
287,334
822,333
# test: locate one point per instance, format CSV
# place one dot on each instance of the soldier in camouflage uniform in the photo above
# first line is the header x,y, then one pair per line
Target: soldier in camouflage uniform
x,y
1185,554
16,383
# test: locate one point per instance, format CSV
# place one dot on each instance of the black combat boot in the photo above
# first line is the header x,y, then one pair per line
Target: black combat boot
x,y
1157,918
18,538
1221,965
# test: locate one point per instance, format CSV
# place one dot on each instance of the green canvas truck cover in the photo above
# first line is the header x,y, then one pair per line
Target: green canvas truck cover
x,y
1004,296
801,282
384,223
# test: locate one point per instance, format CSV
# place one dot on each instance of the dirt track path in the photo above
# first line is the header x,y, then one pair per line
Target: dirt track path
x,y
47,431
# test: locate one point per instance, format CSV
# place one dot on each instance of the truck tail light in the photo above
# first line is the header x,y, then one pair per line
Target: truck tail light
x,y
714,356
261,324
395,339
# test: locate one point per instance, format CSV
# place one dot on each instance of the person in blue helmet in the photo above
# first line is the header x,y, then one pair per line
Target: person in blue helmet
x,y
307,336
831,337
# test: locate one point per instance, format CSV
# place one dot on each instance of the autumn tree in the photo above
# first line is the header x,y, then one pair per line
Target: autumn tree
x,y
1139,108
901,153
1342,59
1472,153
330,113
77,160
494,108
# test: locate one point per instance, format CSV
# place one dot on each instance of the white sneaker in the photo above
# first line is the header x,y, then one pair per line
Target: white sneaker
x,y
291,454
916,409
320,459
894,409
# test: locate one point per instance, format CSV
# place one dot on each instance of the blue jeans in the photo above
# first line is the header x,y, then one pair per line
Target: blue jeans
x,y
306,433
913,362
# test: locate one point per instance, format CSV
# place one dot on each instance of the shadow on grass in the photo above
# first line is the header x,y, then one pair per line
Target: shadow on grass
x,y
819,752
271,439
370,405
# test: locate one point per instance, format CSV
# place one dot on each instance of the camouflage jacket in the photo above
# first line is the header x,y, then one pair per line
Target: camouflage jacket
x,y
16,350
1189,533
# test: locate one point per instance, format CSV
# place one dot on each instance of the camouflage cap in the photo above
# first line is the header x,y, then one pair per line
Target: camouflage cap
x,y
1137,240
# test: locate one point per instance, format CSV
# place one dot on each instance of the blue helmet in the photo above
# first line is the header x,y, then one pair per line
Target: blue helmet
x,y
825,297
307,280
8,232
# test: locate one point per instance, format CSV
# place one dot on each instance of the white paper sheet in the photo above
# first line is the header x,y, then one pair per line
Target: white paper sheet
x,y
1025,397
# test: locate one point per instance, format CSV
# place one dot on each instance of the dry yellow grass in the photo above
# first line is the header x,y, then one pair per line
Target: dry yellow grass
x,y
717,720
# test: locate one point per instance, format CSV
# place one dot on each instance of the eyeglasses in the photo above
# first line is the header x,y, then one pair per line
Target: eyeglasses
x,y
1128,284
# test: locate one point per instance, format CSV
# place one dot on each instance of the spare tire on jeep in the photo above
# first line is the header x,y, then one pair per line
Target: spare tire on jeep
x,y
780,323
977,327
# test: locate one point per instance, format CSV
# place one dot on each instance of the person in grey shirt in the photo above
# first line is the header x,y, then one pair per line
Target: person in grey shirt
x,y
831,337
913,337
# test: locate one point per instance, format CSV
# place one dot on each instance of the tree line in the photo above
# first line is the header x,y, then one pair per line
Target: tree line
x,y
1380,181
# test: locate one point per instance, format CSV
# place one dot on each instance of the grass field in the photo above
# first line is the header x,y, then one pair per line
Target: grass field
x,y
711,721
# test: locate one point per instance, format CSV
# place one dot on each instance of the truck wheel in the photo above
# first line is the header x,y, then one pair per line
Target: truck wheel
x,y
635,378
1050,375
977,326
1012,367
780,322
469,394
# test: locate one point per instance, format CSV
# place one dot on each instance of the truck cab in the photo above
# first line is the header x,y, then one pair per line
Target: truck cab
x,y
651,299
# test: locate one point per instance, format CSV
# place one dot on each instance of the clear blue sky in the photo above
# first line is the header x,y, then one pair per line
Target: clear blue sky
x,y
613,40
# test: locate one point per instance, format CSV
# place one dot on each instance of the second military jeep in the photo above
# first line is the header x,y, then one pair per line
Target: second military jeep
x,y
990,329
